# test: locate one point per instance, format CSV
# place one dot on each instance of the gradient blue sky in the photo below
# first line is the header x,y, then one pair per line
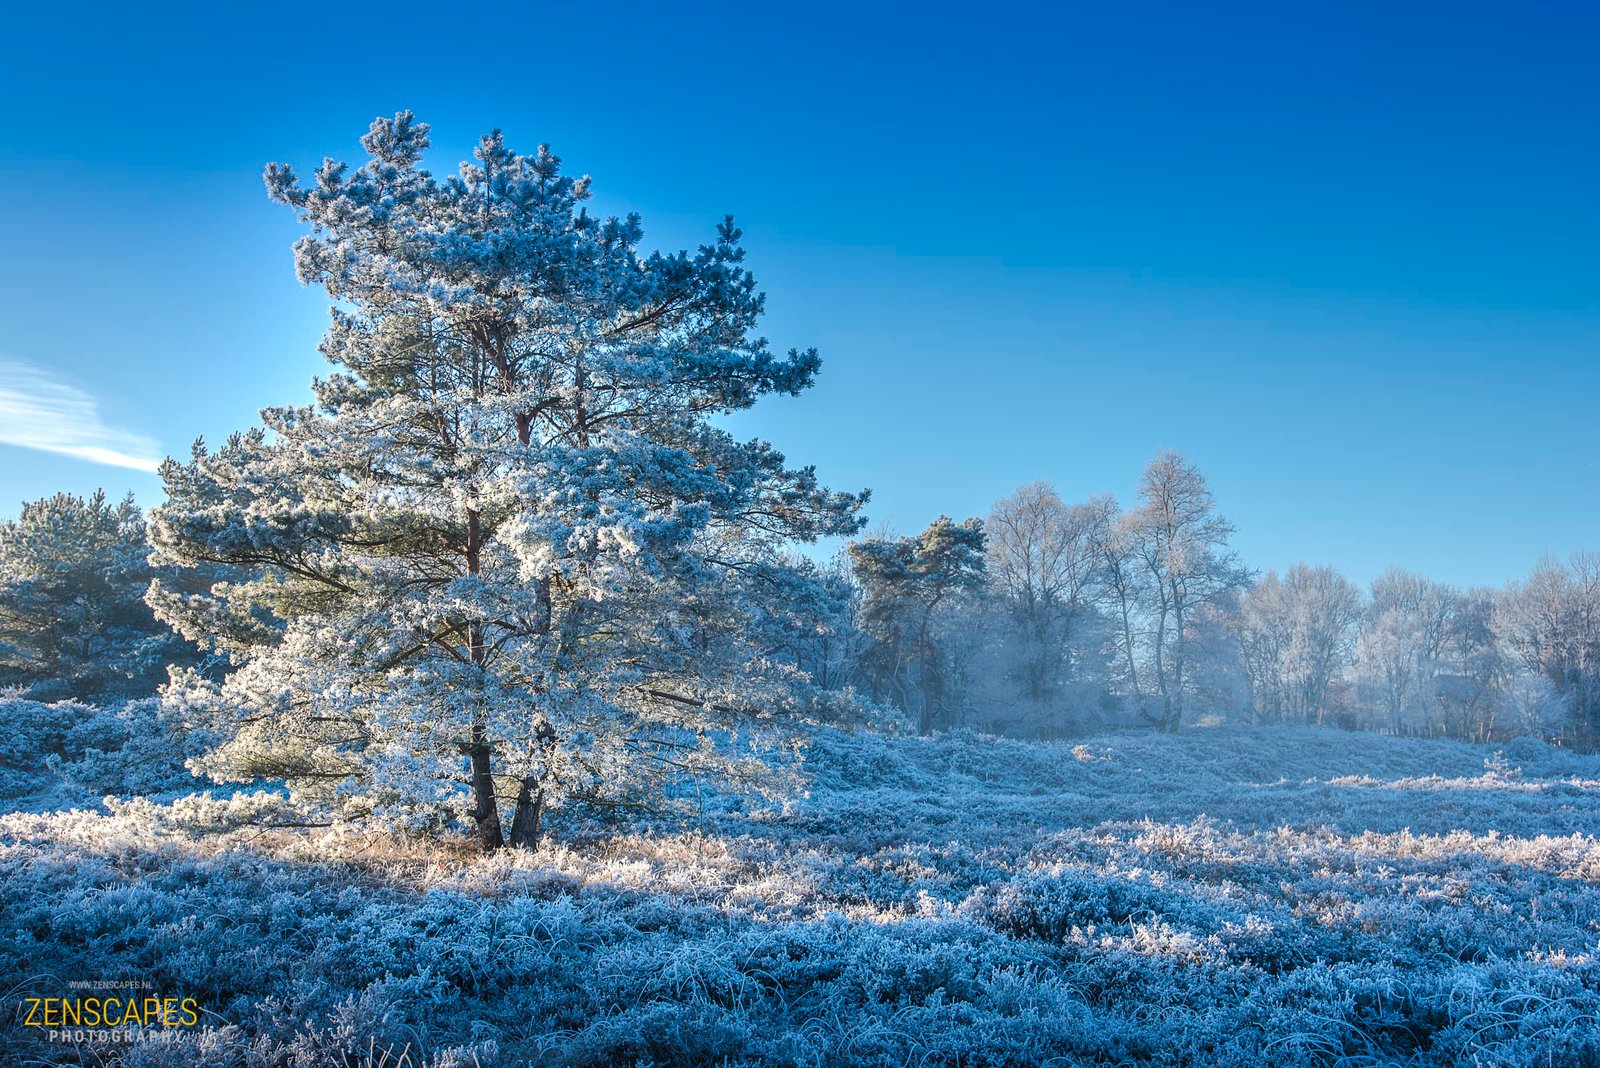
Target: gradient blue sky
x,y
1346,257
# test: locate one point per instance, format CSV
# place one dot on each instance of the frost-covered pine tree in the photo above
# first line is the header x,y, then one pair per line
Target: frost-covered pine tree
x,y
905,582
505,558
73,620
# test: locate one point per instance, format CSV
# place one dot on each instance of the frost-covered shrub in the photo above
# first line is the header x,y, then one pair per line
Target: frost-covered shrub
x,y
33,731
35,737
132,749
141,748
1051,905
65,754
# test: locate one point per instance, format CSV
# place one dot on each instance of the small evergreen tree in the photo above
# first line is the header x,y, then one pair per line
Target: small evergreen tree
x,y
73,620
506,548
906,582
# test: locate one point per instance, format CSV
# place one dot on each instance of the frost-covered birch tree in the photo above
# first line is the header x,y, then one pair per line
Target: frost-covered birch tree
x,y
1550,623
1182,545
505,557
1042,563
1400,656
1296,636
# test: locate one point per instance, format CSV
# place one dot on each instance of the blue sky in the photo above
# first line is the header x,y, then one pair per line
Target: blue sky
x,y
1345,257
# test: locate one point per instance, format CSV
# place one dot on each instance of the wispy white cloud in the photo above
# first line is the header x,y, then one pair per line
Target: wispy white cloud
x,y
38,411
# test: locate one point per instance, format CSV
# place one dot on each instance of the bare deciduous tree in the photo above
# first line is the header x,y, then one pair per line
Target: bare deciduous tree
x,y
1042,562
1296,636
1182,544
1551,624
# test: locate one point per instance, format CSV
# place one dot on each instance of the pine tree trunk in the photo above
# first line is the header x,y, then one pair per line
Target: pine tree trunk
x,y
485,807
529,815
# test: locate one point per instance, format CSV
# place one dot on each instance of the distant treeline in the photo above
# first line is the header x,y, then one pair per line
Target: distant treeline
x,y
1044,619
1049,617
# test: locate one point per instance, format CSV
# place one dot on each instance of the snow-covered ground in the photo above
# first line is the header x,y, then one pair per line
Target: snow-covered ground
x,y
1262,897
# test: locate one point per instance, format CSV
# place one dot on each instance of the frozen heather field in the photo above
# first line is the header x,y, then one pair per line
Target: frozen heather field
x,y
1272,896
